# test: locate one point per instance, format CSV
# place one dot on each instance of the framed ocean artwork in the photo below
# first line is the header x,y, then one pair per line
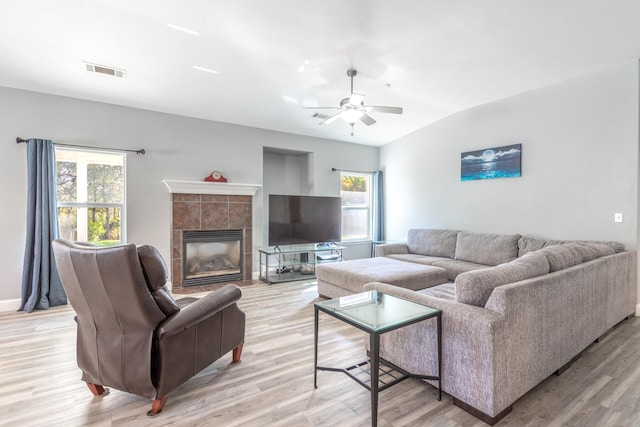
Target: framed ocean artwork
x,y
498,162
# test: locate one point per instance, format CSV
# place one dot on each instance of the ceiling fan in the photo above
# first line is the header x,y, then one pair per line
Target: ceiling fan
x,y
352,109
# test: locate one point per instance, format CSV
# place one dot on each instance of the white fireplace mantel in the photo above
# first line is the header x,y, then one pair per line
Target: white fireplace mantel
x,y
203,187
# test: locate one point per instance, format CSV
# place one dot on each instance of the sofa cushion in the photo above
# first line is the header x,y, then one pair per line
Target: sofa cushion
x,y
529,244
446,291
487,249
616,246
592,251
455,267
562,256
432,242
602,249
386,249
418,259
475,287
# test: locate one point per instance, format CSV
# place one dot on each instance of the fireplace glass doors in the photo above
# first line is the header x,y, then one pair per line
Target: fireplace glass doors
x,y
212,256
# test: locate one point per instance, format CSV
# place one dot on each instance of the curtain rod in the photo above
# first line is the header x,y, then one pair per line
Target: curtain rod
x,y
141,151
348,170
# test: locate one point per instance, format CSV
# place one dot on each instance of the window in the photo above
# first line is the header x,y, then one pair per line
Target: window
x,y
90,191
355,190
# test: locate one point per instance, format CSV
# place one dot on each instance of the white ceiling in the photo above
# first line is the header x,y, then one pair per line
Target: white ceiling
x,y
438,56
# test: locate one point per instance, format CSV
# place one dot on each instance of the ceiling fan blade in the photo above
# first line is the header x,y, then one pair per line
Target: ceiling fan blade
x,y
356,99
320,116
380,109
321,108
330,119
367,119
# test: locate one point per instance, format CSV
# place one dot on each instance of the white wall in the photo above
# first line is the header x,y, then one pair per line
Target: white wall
x,y
579,164
177,148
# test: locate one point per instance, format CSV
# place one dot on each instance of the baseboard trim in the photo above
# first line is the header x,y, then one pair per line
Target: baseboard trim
x,y
9,305
638,310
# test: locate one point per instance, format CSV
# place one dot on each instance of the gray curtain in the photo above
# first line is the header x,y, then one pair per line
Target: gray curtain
x,y
378,207
41,286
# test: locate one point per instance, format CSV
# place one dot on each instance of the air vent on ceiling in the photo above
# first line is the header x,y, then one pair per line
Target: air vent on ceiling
x,y
109,71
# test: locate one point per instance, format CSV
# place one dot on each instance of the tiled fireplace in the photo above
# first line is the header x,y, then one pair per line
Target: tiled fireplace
x,y
210,233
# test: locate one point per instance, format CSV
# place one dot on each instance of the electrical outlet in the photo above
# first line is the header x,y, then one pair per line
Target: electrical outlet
x,y
617,217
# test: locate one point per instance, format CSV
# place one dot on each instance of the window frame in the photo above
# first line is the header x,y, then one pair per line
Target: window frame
x,y
368,208
84,206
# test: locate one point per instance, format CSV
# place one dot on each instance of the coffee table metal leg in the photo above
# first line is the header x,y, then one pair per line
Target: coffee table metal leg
x,y
439,326
315,348
375,372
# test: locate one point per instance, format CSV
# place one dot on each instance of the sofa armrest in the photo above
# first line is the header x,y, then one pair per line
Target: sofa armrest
x,y
199,310
391,248
473,349
477,317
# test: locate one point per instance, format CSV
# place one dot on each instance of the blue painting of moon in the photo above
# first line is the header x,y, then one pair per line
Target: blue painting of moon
x,y
498,162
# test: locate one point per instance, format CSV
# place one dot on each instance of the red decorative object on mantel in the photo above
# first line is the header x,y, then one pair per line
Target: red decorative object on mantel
x,y
215,177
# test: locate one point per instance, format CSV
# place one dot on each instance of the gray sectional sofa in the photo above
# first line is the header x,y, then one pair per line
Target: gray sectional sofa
x,y
516,309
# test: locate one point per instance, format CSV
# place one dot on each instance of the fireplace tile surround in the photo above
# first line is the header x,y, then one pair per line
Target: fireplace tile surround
x,y
205,206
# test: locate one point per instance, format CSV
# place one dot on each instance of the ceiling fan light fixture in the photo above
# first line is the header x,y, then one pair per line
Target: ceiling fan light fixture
x,y
351,115
352,109
356,99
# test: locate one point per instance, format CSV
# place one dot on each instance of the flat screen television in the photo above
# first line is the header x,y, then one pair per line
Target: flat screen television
x,y
304,219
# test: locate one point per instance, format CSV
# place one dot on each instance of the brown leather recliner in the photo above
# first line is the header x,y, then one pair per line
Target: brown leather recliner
x,y
132,335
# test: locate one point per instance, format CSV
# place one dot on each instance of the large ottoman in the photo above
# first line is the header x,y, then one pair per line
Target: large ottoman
x,y
339,279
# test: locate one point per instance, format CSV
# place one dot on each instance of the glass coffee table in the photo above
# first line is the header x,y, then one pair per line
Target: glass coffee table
x,y
376,313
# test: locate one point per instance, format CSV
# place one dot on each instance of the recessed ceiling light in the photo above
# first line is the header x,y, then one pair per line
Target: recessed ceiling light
x,y
103,69
206,70
184,30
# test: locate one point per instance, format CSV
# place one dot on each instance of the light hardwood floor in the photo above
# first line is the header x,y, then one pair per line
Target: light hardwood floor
x,y
273,385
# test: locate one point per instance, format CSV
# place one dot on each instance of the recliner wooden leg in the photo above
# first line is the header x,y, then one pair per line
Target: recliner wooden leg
x,y
237,352
157,405
97,389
